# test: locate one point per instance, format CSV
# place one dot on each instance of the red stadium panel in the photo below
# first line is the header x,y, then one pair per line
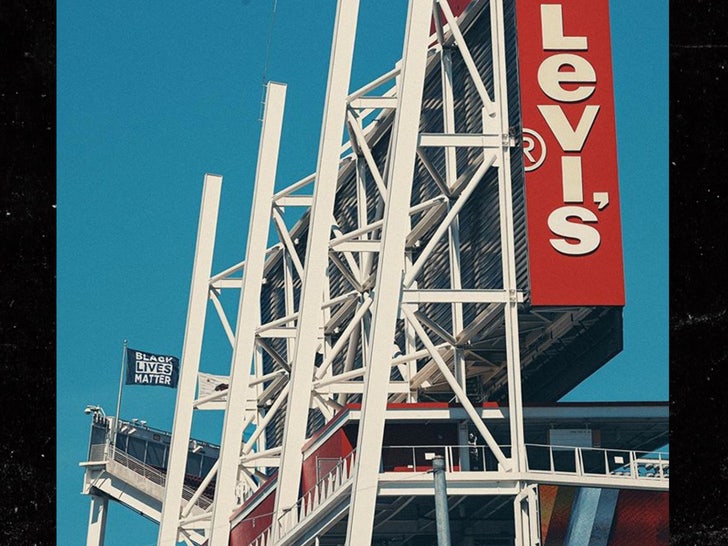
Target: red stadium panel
x,y
570,153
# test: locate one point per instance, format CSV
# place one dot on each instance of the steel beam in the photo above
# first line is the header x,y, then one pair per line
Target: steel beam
x,y
310,321
390,270
451,176
190,361
508,250
240,388
508,246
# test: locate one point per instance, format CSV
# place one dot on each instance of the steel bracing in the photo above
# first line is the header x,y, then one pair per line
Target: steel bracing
x,y
346,306
373,256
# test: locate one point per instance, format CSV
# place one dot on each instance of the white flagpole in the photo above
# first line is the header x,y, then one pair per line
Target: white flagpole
x,y
118,400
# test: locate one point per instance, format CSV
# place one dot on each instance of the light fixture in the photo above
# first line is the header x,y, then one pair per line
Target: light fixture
x,y
96,410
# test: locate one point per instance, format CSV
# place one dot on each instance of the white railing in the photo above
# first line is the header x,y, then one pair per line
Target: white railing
x,y
324,489
540,459
155,476
100,452
138,467
458,458
547,459
593,461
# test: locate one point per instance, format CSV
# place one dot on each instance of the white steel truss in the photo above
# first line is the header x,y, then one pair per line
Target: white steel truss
x,y
359,285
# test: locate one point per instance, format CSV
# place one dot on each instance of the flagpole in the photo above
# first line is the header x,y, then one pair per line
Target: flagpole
x,y
118,400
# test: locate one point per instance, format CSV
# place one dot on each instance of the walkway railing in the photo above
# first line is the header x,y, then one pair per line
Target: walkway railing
x,y
592,461
325,488
102,452
547,459
458,458
541,459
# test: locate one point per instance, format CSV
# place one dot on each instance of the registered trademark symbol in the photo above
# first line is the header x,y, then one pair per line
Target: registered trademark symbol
x,y
534,149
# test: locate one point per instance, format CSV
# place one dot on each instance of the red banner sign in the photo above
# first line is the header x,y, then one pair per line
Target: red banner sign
x,y
570,155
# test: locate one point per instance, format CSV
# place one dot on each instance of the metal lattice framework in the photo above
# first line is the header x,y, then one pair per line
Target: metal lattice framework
x,y
347,305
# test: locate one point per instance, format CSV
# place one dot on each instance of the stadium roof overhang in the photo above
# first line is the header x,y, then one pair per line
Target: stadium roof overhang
x,y
560,346
641,426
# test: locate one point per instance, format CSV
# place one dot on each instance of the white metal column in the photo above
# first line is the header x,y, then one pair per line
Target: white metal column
x,y
508,247
310,321
390,270
513,356
190,361
451,175
97,520
240,389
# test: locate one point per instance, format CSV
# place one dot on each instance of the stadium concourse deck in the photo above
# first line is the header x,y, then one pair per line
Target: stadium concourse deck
x,y
605,445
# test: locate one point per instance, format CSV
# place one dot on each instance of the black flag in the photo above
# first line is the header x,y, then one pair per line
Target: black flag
x,y
144,368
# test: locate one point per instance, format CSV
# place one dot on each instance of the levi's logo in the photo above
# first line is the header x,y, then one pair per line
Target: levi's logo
x,y
569,152
566,77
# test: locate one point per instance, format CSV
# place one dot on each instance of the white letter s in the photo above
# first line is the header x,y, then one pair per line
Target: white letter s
x,y
587,236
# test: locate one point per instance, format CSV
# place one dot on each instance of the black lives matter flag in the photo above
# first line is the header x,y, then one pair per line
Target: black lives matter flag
x,y
150,369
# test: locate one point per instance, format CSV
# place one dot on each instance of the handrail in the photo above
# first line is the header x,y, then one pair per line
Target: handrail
x,y
540,458
595,461
324,489
144,470
458,458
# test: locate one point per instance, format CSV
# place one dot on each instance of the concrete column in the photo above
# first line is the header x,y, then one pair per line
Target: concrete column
x,y
97,520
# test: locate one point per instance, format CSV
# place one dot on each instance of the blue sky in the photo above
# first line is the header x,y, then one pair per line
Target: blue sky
x,y
151,95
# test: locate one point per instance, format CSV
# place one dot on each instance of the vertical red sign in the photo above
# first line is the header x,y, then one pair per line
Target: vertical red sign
x,y
570,153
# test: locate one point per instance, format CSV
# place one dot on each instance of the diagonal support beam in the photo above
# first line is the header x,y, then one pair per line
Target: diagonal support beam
x,y
287,241
314,280
215,299
435,327
248,447
200,490
449,218
434,173
401,165
467,57
344,270
361,142
275,355
190,362
350,261
344,337
457,389
248,319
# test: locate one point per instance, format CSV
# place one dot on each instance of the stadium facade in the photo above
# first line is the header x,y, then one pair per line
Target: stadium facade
x,y
439,282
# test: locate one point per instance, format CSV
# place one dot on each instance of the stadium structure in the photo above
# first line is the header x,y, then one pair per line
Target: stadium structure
x,y
425,303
